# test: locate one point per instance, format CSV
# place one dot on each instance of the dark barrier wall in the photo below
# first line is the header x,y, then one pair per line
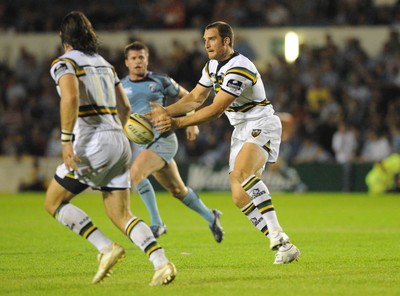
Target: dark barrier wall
x,y
316,176
333,177
300,177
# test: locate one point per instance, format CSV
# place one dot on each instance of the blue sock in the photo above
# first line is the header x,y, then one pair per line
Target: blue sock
x,y
147,194
193,201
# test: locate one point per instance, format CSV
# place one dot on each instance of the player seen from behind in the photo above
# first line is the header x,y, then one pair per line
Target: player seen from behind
x,y
95,150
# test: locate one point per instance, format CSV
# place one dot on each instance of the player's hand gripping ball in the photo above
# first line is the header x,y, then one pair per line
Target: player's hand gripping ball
x,y
138,129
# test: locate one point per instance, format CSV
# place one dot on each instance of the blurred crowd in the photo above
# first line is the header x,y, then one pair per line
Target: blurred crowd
x,y
44,15
343,104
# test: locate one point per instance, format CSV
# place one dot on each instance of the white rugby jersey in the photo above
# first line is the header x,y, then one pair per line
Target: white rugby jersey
x,y
97,80
239,77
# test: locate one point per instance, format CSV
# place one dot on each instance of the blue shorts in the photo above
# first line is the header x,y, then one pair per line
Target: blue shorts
x,y
166,146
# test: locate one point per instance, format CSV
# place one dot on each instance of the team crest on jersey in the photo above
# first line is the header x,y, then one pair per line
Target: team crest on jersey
x,y
235,84
255,133
128,91
153,87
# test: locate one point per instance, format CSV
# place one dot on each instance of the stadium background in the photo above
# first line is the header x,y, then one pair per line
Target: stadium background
x,y
348,72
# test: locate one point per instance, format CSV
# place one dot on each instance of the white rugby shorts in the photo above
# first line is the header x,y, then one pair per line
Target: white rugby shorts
x,y
105,160
265,132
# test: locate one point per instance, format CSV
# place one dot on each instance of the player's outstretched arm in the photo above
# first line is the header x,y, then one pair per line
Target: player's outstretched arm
x,y
191,131
189,102
221,101
163,121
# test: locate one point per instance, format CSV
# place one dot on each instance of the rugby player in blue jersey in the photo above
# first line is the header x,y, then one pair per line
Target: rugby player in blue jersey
x,y
157,158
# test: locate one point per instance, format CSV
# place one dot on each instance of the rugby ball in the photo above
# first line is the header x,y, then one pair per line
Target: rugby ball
x,y
138,129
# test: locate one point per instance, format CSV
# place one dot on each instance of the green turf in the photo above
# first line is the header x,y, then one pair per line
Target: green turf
x,y
350,245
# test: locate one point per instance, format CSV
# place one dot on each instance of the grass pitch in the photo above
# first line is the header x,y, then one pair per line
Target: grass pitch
x,y
350,245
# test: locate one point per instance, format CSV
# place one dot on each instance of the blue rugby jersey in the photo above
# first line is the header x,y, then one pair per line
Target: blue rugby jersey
x,y
155,87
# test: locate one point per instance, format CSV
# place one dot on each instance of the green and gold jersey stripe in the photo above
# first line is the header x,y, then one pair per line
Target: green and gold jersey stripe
x,y
90,110
247,106
79,71
63,59
243,72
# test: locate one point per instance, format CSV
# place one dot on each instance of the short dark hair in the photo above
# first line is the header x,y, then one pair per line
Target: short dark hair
x,y
137,45
224,30
77,31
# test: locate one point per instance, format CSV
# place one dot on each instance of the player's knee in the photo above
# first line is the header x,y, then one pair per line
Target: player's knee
x,y
178,192
50,206
144,186
136,180
237,176
239,197
47,207
136,176
236,198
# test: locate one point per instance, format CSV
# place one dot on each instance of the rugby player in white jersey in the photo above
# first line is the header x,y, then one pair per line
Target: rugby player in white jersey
x,y
96,153
256,138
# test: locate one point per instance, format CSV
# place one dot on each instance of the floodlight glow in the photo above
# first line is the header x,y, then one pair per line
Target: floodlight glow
x,y
291,47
